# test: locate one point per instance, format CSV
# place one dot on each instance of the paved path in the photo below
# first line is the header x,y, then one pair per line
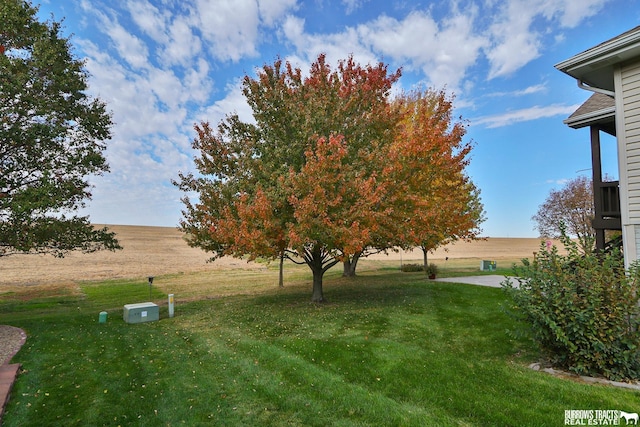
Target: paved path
x,y
493,280
9,372
8,375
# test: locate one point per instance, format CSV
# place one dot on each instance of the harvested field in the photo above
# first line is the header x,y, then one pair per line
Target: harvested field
x,y
155,251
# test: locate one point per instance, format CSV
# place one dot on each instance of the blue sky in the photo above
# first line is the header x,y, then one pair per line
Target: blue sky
x,y
163,65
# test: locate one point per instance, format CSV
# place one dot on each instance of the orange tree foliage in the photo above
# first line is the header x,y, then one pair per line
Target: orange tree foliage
x,y
439,204
319,176
430,200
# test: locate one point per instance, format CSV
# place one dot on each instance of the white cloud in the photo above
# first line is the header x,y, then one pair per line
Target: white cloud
x,y
293,29
183,44
122,94
445,48
150,20
524,115
229,27
516,41
197,82
571,12
272,11
233,103
353,5
529,90
412,37
152,124
173,33
443,51
560,181
532,89
167,88
336,46
456,48
128,46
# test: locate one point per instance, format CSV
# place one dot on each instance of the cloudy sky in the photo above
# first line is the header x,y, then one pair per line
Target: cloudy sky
x,y
163,65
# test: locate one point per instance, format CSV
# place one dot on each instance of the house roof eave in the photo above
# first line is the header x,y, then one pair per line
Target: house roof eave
x,y
594,66
591,118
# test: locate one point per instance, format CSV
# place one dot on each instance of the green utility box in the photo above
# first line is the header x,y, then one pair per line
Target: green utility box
x,y
141,312
488,265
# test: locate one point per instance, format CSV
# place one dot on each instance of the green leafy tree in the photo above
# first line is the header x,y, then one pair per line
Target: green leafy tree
x,y
51,138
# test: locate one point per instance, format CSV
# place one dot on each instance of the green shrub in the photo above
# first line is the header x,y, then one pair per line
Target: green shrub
x,y
432,270
581,309
412,268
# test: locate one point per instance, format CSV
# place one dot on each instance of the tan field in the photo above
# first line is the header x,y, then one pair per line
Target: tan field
x,y
157,251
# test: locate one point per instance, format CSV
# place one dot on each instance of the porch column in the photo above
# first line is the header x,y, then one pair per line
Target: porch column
x,y
596,168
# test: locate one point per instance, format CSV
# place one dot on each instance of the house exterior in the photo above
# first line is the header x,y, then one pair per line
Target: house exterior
x,y
611,70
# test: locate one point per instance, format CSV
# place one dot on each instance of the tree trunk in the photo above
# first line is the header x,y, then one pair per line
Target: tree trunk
x,y
349,265
317,295
319,261
424,257
281,275
346,267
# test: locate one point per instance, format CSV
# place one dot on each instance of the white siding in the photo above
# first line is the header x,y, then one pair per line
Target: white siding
x,y
637,237
630,77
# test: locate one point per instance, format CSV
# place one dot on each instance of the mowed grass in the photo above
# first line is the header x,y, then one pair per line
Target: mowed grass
x,y
389,349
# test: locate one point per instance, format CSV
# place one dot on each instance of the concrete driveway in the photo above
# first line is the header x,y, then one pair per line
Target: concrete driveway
x,y
493,280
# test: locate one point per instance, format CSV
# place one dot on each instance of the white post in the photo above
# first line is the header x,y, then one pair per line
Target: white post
x,y
170,305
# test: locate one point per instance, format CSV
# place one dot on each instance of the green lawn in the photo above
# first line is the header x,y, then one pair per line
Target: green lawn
x,y
389,349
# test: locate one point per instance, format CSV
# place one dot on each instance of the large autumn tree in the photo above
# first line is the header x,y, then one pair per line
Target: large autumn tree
x,y
321,176
439,203
52,135
430,201
299,181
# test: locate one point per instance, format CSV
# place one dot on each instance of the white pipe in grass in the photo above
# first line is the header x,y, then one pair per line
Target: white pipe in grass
x,y
170,305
